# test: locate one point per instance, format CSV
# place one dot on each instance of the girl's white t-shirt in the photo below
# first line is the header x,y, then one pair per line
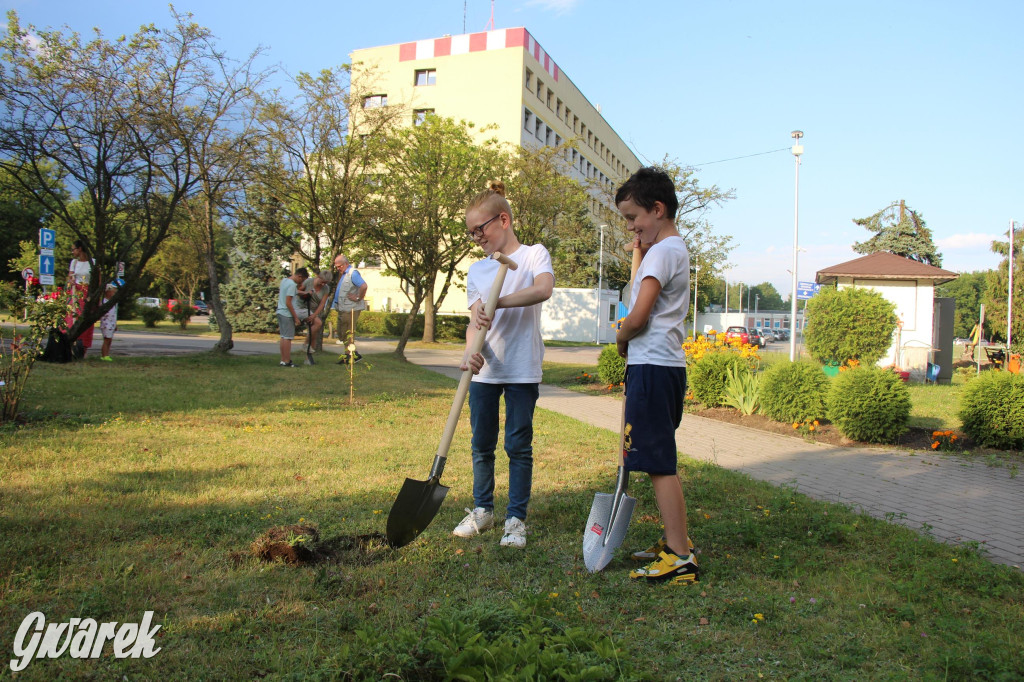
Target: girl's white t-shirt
x,y
513,349
661,341
81,269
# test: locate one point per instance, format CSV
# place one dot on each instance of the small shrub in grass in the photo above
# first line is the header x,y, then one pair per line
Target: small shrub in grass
x,y
992,410
151,315
869,404
794,392
709,376
610,367
181,314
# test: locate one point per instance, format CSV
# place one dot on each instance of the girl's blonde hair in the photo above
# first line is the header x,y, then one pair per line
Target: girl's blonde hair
x,y
492,198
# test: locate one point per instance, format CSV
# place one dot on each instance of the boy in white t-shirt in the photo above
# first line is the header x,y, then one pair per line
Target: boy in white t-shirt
x,y
509,364
651,339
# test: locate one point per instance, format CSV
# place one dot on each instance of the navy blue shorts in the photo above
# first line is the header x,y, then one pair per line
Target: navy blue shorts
x,y
654,408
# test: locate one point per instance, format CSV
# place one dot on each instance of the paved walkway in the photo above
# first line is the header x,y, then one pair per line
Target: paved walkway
x,y
953,499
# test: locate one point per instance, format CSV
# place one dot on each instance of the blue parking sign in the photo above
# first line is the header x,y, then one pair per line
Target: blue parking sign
x,y
47,238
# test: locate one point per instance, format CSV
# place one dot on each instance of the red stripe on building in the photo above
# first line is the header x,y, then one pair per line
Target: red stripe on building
x,y
515,37
555,68
443,47
406,52
477,42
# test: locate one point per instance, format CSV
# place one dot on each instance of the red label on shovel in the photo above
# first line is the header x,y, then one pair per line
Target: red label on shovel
x,y
597,529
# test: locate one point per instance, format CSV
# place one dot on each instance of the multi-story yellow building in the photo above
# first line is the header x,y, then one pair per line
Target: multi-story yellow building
x,y
502,78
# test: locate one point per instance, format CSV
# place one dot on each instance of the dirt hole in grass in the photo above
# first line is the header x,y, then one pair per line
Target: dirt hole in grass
x,y
301,544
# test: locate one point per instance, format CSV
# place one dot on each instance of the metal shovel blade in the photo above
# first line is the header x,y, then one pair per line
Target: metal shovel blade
x,y
606,528
414,508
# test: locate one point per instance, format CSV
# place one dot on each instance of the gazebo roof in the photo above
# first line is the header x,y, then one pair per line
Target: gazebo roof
x,y
884,265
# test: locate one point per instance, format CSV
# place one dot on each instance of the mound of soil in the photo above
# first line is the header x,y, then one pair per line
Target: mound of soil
x,y
301,545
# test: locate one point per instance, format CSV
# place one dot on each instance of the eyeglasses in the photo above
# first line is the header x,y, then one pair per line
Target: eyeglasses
x,y
478,231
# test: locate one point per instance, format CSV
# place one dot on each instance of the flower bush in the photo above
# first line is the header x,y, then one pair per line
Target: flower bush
x,y
714,342
992,410
869,404
47,312
794,392
944,440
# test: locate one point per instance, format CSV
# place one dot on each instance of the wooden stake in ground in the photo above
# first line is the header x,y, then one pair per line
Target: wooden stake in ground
x,y
351,355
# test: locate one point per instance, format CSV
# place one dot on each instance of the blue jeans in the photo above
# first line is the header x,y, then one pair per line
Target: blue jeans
x,y
520,399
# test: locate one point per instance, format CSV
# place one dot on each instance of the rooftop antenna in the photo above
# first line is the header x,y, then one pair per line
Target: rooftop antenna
x,y
490,26
464,17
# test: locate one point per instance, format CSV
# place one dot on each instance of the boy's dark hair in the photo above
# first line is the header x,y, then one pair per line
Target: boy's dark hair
x,y
302,271
648,185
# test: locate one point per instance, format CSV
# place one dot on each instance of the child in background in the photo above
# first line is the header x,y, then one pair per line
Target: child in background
x,y
108,324
651,338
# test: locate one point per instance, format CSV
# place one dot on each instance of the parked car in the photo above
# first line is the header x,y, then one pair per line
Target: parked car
x,y
147,302
200,308
756,337
736,332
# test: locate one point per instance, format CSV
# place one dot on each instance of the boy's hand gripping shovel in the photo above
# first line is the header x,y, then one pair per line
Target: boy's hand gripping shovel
x,y
419,501
610,514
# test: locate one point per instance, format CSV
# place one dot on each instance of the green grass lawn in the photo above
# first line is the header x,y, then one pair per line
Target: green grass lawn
x,y
141,485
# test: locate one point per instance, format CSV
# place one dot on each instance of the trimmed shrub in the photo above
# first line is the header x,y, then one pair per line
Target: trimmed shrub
x,y
794,392
709,376
849,324
992,410
869,404
151,315
610,367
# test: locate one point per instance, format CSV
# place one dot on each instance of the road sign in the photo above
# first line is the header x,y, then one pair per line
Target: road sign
x,y
46,265
47,238
805,290
27,273
120,269
46,279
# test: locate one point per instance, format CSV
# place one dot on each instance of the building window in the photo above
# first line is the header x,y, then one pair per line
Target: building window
x,y
374,101
568,113
558,109
575,123
540,89
558,140
529,79
547,136
426,76
528,120
420,115
551,100
537,128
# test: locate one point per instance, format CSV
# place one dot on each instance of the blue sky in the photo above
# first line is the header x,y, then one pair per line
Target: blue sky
x,y
914,100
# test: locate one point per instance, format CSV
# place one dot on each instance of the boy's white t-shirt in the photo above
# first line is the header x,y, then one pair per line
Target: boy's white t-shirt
x,y
513,349
661,341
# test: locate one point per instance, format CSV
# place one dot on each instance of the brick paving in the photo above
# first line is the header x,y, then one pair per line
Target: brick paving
x,y
951,499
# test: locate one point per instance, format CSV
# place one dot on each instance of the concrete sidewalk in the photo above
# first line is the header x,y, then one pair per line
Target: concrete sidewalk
x,y
953,500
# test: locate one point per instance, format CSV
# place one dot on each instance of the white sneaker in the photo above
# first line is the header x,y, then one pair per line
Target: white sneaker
x,y
477,521
515,533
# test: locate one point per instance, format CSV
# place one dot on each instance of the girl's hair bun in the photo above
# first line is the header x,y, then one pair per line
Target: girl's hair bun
x,y
497,186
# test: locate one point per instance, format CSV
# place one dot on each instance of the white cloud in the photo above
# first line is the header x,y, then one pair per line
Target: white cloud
x,y
970,240
557,6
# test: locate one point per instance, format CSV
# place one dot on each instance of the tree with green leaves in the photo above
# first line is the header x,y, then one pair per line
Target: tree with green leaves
x,y
22,217
899,230
104,118
997,284
418,230
769,297
551,208
968,291
323,153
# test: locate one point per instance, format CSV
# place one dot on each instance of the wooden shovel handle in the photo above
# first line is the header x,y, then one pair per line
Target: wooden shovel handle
x,y
467,375
634,266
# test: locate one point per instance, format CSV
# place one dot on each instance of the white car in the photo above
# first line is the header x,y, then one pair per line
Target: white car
x,y
147,302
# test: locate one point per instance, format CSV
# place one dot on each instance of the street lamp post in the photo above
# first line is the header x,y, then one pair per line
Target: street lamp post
x,y
696,269
1009,293
797,150
757,297
600,283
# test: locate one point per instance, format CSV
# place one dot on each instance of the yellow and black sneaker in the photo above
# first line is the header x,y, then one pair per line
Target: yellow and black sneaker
x,y
668,567
652,552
